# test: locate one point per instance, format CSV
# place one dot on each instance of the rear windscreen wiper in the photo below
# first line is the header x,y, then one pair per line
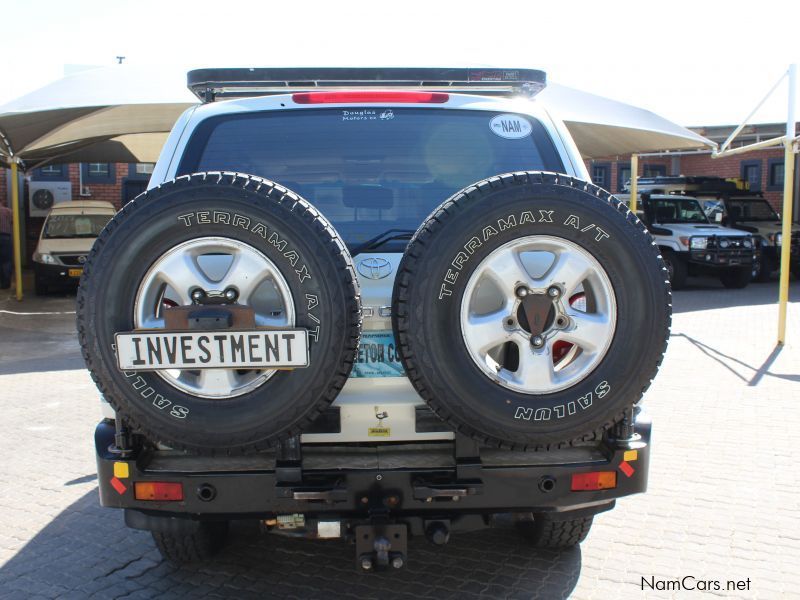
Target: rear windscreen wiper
x,y
379,240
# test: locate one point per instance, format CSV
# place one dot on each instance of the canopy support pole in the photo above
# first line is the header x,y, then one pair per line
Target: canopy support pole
x,y
17,228
788,190
634,183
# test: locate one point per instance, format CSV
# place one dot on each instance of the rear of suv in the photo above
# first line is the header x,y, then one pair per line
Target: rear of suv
x,y
385,303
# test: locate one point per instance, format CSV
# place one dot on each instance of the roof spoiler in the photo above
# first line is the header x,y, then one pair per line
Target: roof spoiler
x,y
218,84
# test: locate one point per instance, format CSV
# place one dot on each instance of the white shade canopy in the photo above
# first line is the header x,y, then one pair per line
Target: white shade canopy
x,y
124,113
113,114
603,128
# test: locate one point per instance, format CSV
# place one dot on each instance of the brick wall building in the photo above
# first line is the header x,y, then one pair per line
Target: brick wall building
x,y
112,182
761,169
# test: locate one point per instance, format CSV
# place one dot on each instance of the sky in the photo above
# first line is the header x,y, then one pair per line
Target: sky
x,y
698,62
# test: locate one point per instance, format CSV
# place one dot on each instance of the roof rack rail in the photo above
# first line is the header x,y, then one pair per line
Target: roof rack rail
x,y
217,84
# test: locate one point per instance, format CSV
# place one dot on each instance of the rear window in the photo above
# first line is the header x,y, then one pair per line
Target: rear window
x,y
371,169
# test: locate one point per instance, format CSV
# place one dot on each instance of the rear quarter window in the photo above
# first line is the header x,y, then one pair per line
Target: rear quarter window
x,y
369,169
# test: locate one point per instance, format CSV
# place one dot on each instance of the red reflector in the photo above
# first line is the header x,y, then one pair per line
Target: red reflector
x,y
367,97
598,480
160,491
626,468
118,485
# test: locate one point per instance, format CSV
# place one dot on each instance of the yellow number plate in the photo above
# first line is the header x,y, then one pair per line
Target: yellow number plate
x,y
75,272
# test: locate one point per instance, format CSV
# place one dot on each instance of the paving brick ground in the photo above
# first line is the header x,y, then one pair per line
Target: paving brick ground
x,y
723,503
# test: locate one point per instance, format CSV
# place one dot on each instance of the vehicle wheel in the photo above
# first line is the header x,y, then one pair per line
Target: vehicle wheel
x,y
764,271
217,232
201,545
736,278
677,269
40,288
553,533
514,315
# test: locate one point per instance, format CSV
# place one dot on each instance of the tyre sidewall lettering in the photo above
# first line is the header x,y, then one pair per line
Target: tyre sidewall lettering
x,y
282,247
448,261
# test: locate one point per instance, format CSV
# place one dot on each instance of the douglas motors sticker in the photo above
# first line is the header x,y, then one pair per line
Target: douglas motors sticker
x,y
510,127
367,114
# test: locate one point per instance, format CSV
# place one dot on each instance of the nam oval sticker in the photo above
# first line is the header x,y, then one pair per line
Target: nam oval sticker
x,y
510,127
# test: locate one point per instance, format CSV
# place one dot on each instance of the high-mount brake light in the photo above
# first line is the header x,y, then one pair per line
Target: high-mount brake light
x,y
158,491
370,97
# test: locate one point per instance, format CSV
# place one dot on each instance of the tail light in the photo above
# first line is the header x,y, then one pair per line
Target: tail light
x,y
158,491
596,480
368,97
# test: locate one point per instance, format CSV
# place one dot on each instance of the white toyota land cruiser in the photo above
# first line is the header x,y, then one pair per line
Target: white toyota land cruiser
x,y
510,316
691,245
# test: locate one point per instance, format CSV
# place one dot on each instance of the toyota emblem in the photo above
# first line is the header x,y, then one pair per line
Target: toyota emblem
x,y
375,268
82,259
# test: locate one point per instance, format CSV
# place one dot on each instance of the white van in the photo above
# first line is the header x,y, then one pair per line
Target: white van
x,y
67,236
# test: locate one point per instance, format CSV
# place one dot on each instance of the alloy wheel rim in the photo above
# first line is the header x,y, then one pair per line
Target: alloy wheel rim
x,y
580,324
200,264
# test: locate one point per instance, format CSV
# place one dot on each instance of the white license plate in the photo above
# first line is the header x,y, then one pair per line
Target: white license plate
x,y
220,349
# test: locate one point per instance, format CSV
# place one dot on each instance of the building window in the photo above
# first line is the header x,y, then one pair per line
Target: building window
x,y
775,175
751,173
623,175
98,169
140,170
51,172
601,175
98,172
655,170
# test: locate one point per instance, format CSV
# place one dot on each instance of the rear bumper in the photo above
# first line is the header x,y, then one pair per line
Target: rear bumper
x,y
424,480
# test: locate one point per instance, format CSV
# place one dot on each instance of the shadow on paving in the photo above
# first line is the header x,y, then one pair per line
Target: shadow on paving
x,y
705,294
87,550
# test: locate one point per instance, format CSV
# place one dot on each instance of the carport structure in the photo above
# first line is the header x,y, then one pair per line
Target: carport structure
x,y
124,113
117,114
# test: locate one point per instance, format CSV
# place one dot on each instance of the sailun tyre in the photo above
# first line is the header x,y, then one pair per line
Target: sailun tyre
x,y
208,235
532,310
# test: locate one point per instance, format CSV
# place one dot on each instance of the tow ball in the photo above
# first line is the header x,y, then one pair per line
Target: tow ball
x,y
381,547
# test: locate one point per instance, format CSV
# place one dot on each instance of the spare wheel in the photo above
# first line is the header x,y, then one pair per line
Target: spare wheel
x,y
531,310
213,254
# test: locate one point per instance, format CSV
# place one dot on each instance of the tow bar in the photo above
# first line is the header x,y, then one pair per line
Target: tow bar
x,y
381,546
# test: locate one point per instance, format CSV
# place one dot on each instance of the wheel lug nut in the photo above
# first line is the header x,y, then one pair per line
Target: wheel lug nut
x,y
537,341
197,295
521,291
230,294
553,292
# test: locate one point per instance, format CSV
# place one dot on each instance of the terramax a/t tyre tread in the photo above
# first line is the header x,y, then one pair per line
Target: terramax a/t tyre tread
x,y
247,209
435,356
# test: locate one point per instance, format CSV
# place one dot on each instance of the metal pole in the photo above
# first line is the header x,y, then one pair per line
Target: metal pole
x,y
750,116
17,227
634,183
788,189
